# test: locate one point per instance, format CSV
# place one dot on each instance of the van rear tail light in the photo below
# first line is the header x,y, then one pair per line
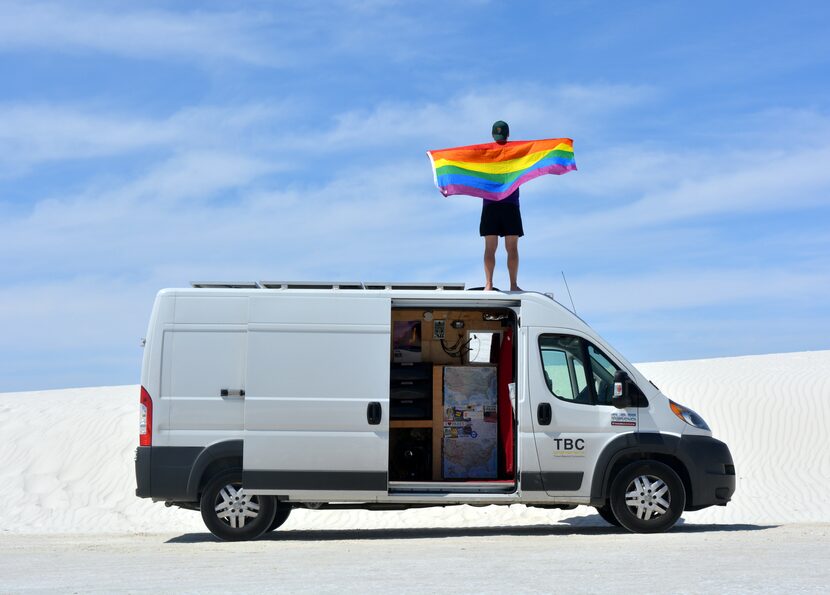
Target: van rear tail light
x,y
145,419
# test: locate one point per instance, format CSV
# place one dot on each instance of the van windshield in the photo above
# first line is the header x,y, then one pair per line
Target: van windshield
x,y
603,372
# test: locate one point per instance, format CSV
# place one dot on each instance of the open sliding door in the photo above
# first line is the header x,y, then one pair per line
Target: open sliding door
x,y
317,402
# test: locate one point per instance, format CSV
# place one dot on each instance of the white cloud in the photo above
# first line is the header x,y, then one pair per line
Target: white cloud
x,y
669,188
373,219
193,35
31,134
531,110
687,288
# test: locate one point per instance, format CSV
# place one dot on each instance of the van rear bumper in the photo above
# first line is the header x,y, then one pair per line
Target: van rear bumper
x,y
143,457
162,472
711,470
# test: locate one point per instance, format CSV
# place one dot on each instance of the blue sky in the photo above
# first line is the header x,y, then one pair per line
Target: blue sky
x,y
145,145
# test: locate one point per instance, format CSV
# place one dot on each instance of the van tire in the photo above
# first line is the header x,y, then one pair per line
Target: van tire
x,y
283,510
654,509
225,491
608,515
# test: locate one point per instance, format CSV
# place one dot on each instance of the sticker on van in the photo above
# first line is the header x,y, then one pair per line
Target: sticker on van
x,y
623,419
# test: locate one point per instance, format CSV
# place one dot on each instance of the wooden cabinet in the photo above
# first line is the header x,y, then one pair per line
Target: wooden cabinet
x,y
433,352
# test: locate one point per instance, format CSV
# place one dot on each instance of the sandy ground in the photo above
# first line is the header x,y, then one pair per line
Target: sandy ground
x,y
531,558
70,521
66,456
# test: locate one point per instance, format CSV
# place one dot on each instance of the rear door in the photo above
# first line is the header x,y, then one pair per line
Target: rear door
x,y
317,397
203,358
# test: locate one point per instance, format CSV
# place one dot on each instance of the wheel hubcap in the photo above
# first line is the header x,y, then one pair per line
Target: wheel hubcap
x,y
647,497
234,506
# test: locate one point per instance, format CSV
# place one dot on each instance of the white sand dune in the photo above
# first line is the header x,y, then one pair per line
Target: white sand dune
x,y
66,456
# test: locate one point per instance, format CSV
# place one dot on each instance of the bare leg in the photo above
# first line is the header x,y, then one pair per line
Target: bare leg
x,y
490,245
511,243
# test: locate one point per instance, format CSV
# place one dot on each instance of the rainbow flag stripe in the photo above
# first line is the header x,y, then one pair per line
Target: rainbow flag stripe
x,y
493,171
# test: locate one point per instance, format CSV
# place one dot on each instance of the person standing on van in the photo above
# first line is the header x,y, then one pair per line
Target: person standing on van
x,y
501,218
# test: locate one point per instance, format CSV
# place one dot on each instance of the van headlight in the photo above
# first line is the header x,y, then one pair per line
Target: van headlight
x,y
689,416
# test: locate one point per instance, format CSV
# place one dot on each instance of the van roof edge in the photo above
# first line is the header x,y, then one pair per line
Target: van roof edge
x,y
372,285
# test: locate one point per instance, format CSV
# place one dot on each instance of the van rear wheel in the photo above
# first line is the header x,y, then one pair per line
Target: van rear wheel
x,y
647,497
230,513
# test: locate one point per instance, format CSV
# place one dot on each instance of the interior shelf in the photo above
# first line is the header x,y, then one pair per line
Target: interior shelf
x,y
410,423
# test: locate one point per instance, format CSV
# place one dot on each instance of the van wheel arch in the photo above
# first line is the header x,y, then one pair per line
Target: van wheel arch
x,y
628,448
214,459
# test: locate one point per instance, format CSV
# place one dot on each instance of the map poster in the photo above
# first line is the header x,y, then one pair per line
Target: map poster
x,y
470,422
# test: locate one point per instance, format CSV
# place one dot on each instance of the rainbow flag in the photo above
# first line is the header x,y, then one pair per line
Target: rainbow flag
x,y
493,171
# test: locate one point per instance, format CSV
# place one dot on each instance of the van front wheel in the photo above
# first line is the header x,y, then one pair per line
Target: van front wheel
x,y
647,497
230,513
608,515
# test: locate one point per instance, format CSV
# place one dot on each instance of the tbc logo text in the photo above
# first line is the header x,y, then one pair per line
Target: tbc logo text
x,y
569,444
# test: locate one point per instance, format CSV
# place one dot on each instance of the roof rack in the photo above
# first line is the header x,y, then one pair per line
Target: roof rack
x,y
376,285
225,284
413,286
311,284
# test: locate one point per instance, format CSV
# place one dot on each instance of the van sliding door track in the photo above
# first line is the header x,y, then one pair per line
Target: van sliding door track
x,y
452,487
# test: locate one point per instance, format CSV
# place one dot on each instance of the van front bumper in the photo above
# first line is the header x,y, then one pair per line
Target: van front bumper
x,y
711,470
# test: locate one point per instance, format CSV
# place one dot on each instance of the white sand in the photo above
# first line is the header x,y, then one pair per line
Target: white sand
x,y
66,456
535,559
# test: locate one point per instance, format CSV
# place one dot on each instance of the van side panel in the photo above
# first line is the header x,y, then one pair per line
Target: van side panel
x,y
202,362
204,352
314,366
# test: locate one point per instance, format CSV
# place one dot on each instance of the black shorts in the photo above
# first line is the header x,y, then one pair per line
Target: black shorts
x,y
500,219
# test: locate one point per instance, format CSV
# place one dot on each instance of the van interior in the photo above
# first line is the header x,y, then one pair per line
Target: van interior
x,y
452,422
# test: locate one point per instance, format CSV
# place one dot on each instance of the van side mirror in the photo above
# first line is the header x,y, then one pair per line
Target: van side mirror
x,y
622,395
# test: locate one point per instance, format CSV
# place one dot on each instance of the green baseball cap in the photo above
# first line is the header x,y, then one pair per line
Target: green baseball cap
x,y
501,130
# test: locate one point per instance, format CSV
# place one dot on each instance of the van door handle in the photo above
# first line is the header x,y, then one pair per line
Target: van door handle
x,y
232,393
544,414
374,413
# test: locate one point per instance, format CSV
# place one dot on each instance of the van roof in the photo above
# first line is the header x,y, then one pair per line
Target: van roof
x,y
398,291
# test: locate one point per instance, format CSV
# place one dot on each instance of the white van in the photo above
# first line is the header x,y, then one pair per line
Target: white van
x,y
260,397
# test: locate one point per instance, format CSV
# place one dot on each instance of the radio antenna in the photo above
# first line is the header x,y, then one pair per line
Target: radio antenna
x,y
573,307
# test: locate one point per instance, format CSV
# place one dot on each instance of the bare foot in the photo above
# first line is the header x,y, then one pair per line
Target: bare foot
x,y
488,287
515,288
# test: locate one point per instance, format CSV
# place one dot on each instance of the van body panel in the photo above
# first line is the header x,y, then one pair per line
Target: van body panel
x,y
313,370
163,308
199,363
207,309
530,485
316,309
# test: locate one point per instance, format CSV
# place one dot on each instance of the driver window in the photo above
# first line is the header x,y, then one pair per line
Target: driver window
x,y
603,372
562,362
